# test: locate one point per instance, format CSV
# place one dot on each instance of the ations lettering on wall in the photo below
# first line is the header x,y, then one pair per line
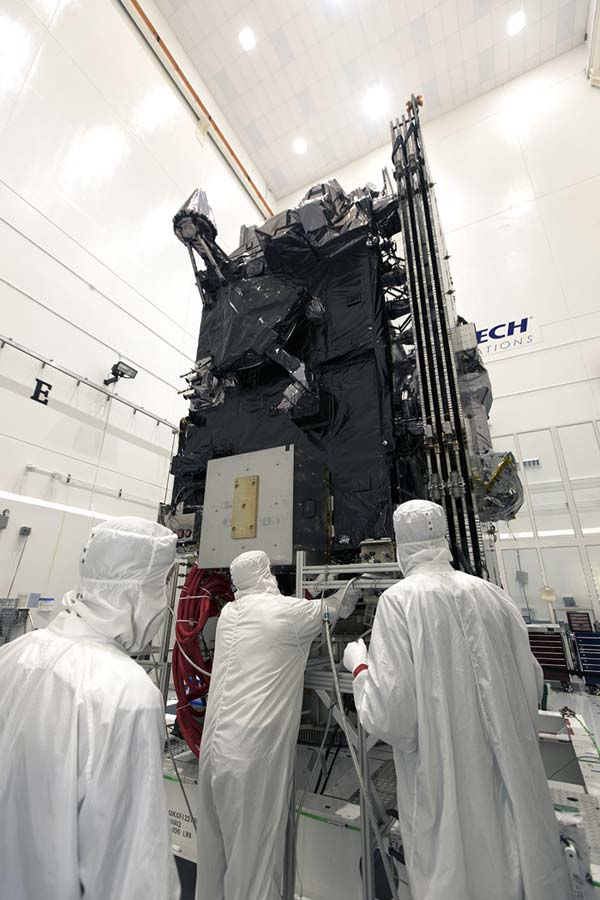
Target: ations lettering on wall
x,y
506,336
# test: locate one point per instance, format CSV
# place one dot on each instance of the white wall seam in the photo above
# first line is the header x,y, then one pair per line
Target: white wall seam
x,y
72,480
516,206
98,290
81,459
547,387
531,351
496,110
188,360
131,131
25,78
92,273
86,418
93,256
155,42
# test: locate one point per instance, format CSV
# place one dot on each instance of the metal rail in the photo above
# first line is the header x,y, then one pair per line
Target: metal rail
x,y
81,379
67,478
366,833
349,568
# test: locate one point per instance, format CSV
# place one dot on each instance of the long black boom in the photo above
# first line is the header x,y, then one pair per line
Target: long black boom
x,y
432,307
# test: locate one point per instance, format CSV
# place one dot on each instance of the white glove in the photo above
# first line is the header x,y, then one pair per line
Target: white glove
x,y
355,655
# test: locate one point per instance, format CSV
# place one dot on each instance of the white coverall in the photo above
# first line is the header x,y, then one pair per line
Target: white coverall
x,y
452,685
252,721
83,812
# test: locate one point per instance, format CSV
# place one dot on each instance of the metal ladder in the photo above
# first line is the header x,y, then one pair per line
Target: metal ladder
x,y
375,576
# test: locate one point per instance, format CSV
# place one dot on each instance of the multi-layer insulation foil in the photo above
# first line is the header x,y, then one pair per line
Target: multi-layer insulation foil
x,y
306,339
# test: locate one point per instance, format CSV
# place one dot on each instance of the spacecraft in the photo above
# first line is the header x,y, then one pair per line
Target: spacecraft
x,y
332,332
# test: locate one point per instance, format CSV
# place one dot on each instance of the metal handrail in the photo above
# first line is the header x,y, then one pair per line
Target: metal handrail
x,y
81,379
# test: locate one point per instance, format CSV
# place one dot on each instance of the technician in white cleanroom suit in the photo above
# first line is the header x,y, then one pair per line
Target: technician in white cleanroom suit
x,y
449,681
83,813
252,720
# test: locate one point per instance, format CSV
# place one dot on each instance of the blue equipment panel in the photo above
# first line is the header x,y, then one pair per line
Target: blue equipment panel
x,y
588,650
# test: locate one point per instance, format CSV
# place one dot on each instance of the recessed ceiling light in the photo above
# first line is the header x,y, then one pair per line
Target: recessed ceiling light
x,y
376,102
300,146
247,39
516,23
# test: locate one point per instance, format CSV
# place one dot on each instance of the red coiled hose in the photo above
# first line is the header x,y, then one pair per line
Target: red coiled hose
x,y
191,676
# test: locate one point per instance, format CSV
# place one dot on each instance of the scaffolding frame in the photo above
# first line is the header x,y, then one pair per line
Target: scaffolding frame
x,y
320,680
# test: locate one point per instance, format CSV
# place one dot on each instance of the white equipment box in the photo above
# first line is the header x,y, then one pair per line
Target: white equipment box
x,y
273,500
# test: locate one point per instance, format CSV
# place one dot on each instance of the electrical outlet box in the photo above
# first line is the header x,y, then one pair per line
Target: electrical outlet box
x,y
4,517
25,531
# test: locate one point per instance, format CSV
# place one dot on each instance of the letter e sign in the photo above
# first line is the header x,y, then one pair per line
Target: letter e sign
x,y
41,391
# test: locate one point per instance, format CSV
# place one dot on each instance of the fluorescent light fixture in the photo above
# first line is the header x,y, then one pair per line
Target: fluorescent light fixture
x,y
376,102
558,532
516,23
247,39
59,507
300,146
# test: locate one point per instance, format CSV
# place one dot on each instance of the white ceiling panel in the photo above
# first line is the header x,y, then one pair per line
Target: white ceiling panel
x,y
315,60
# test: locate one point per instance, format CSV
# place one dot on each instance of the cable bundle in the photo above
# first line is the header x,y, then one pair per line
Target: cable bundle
x,y
191,671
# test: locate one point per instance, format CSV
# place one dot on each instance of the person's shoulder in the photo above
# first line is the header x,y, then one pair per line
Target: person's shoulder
x,y
394,597
138,685
299,607
25,652
298,613
466,583
398,589
488,591
227,612
123,680
475,581
296,600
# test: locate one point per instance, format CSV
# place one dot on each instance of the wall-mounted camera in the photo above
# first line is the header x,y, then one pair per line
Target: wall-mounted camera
x,y
120,370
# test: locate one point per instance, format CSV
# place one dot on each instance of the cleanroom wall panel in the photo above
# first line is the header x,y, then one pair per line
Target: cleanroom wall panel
x,y
97,152
517,175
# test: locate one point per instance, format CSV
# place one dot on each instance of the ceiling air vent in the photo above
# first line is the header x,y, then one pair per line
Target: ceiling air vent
x,y
531,463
